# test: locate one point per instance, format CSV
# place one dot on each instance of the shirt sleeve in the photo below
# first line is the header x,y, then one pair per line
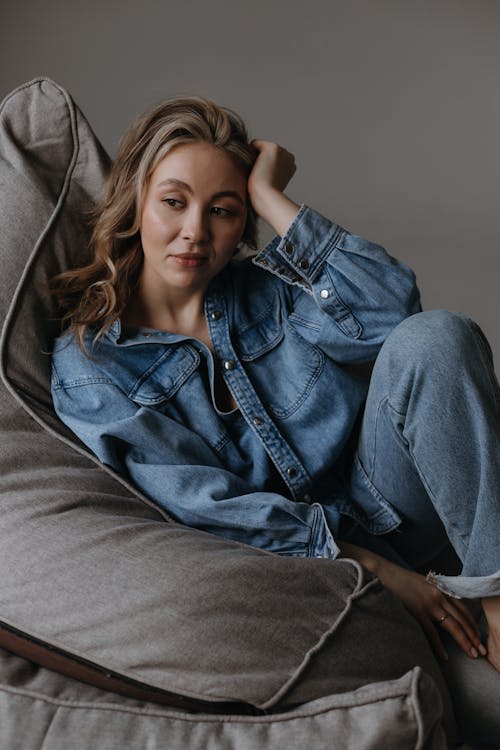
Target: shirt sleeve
x,y
177,470
344,293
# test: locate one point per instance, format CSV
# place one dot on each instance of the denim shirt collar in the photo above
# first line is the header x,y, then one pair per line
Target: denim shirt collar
x,y
123,337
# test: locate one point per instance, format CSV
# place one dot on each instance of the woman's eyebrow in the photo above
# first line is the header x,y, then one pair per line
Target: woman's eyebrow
x,y
229,194
185,186
178,183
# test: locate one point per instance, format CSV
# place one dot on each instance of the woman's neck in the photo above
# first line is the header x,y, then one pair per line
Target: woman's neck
x,y
180,312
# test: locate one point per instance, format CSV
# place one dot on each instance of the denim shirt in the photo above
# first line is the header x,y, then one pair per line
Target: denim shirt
x,y
285,327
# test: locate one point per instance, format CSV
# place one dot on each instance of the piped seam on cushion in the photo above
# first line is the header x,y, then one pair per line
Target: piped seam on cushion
x,y
414,700
402,688
12,309
357,592
417,714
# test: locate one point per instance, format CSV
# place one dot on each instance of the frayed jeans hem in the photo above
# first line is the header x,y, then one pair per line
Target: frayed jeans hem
x,y
466,587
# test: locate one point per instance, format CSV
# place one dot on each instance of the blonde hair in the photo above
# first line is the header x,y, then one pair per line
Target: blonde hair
x,y
96,294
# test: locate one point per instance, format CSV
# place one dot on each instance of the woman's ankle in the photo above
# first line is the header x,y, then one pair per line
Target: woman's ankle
x,y
491,607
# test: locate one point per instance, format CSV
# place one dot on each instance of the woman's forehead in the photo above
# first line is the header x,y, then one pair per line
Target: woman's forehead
x,y
199,163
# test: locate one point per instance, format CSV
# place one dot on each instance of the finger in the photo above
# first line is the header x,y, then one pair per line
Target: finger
x,y
467,623
263,145
455,628
456,612
258,143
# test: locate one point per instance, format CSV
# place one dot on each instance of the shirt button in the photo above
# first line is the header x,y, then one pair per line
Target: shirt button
x,y
216,315
292,471
229,364
257,421
307,498
304,263
324,293
289,248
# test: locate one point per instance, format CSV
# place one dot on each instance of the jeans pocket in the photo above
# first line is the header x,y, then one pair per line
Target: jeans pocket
x,y
381,515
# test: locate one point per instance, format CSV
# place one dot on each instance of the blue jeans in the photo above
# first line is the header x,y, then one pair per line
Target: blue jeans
x,y
429,445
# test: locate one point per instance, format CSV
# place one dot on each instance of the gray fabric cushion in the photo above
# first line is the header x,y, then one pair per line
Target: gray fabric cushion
x,y
91,567
394,715
475,690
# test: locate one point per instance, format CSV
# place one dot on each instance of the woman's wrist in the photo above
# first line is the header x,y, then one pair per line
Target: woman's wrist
x,y
369,560
276,208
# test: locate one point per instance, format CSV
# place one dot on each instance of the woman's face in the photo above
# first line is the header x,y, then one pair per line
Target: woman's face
x,y
193,216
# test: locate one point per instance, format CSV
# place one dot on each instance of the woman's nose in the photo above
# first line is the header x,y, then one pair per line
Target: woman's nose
x,y
195,227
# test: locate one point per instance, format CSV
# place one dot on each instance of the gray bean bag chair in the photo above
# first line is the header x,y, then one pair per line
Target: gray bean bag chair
x,y
121,628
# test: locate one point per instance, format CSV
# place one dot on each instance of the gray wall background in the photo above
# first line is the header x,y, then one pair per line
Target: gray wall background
x,y
392,107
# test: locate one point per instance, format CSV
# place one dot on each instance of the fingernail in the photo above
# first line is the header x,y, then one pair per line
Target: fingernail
x,y
474,653
482,650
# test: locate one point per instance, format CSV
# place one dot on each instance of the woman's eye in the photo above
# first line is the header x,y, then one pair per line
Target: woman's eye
x,y
219,211
174,202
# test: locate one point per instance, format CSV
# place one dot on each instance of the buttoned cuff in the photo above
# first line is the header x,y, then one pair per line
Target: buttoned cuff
x,y
297,256
305,256
322,543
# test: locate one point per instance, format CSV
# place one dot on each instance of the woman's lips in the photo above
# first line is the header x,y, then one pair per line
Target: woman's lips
x,y
189,259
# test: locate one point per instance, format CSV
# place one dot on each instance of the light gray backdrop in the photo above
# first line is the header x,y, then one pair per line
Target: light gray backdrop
x,y
392,107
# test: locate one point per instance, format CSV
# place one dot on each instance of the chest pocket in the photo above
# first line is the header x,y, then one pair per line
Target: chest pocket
x,y
165,375
282,365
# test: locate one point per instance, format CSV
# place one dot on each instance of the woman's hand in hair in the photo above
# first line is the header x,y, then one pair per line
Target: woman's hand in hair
x,y
271,173
273,168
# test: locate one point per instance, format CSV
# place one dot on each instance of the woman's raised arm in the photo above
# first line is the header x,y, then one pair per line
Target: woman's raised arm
x,y
355,292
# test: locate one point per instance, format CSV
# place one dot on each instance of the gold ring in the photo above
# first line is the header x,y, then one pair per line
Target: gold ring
x,y
442,619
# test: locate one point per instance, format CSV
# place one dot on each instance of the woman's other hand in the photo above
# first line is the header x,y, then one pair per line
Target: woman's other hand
x,y
273,168
271,173
431,607
435,611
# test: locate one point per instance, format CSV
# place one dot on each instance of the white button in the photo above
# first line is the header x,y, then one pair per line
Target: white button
x,y
325,293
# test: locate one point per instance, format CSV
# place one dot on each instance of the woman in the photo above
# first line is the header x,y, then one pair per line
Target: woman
x,y
229,391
